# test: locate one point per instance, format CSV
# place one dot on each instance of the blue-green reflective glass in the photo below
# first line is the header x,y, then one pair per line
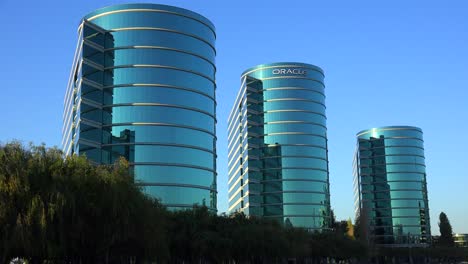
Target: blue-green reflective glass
x,y
406,168
397,151
161,114
165,21
295,116
165,40
407,194
303,197
172,174
394,133
305,185
307,73
290,82
405,159
162,76
289,162
305,209
171,154
303,151
296,139
295,127
408,203
162,95
147,56
403,142
293,105
163,134
299,93
306,174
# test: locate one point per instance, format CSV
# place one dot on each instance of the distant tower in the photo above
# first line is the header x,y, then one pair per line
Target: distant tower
x,y
142,86
278,160
390,185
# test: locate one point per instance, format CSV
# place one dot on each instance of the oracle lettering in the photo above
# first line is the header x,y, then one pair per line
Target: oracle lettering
x,y
290,71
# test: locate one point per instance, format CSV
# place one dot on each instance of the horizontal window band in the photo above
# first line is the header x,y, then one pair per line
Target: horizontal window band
x,y
172,165
394,208
293,180
392,181
292,156
390,172
162,48
391,155
150,10
294,133
381,147
299,145
163,105
388,129
142,183
160,144
286,88
283,66
166,30
159,124
295,110
392,137
294,122
292,77
294,99
395,199
287,145
291,168
154,85
422,191
390,163
130,66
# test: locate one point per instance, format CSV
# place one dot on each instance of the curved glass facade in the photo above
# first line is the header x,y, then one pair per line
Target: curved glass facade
x,y
390,185
143,86
278,162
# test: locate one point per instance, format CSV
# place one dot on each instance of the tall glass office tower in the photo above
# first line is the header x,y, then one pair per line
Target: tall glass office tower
x,y
142,86
278,161
390,185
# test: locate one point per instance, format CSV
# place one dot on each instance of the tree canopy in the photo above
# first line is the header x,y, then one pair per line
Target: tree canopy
x,y
68,210
445,228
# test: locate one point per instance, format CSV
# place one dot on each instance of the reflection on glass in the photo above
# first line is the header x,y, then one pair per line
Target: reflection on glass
x,y
143,87
278,164
389,171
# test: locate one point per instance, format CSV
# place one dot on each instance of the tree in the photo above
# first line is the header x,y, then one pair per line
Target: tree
x,y
446,236
350,229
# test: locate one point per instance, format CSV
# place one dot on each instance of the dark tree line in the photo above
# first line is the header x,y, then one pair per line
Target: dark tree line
x,y
71,211
56,210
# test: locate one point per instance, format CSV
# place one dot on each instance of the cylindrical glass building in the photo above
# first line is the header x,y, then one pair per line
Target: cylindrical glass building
x,y
143,87
278,161
390,185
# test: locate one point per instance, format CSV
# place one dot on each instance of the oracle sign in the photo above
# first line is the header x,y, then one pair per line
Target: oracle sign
x,y
290,71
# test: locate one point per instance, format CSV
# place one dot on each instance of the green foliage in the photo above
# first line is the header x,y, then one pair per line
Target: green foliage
x,y
445,228
56,210
69,209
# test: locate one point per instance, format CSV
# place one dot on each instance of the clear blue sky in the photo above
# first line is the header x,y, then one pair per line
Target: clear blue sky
x,y
385,62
